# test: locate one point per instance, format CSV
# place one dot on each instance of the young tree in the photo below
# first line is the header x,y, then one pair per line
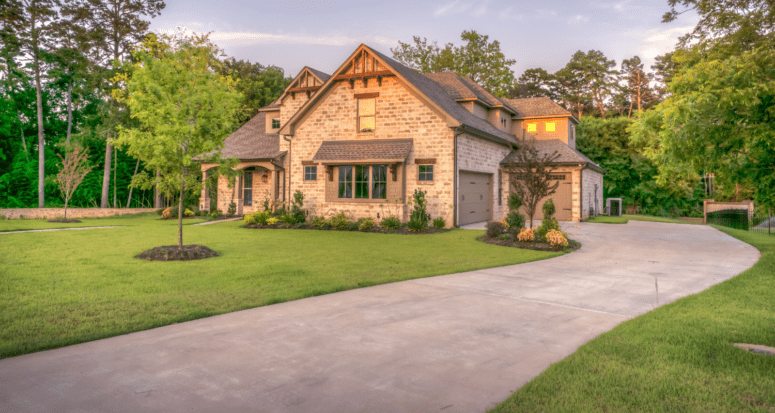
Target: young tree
x,y
75,167
530,175
184,109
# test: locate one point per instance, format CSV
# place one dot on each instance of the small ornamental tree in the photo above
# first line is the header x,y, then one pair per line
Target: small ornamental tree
x,y
530,174
184,111
75,167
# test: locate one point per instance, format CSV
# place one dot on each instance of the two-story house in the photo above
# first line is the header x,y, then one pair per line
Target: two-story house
x,y
363,139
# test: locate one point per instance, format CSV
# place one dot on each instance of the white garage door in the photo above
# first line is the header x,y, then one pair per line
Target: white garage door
x,y
475,192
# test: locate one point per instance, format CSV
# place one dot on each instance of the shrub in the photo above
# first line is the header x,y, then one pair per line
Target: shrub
x,y
159,211
504,236
249,219
526,235
167,213
216,214
262,217
340,221
556,239
299,215
548,223
439,223
515,220
232,209
418,219
514,202
279,211
287,218
353,226
317,222
188,213
366,224
495,229
272,220
390,223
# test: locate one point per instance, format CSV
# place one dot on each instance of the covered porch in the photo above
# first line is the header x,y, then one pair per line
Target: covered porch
x,y
257,182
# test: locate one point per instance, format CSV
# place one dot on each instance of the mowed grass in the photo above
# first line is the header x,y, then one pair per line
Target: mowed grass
x,y
7,225
66,287
677,358
603,219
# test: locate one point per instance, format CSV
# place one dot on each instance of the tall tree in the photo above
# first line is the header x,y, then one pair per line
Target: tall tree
x,y
572,90
260,85
184,109
478,58
597,72
121,25
664,68
637,83
534,83
38,16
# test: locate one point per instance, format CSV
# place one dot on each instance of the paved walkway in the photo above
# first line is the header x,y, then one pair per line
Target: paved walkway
x,y
55,229
452,343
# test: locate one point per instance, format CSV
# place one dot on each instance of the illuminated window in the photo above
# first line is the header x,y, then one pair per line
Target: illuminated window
x,y
550,126
532,127
366,115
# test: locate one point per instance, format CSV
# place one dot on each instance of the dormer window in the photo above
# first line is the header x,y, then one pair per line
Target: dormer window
x,y
503,123
366,115
275,123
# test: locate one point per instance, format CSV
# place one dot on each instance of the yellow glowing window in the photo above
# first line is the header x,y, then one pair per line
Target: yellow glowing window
x,y
550,126
532,127
366,115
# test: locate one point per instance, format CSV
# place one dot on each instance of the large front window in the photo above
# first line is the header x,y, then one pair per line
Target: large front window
x,y
247,185
369,181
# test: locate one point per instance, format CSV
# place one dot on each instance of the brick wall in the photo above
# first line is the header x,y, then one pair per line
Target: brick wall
x,y
399,115
50,213
591,178
575,180
480,155
562,129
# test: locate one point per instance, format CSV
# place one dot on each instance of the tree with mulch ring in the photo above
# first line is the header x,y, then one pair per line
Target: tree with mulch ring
x,y
171,138
174,253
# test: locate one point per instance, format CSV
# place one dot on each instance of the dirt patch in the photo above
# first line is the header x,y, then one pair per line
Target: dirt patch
x,y
173,253
378,230
537,246
65,221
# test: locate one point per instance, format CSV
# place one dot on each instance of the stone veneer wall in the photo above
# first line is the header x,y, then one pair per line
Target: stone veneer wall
x,y
50,213
399,115
561,131
590,178
480,155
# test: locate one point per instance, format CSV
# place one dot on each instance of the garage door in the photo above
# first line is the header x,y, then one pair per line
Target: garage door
x,y
561,197
474,197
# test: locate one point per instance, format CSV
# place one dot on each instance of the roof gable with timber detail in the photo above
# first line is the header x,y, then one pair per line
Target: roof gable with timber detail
x,y
308,81
366,65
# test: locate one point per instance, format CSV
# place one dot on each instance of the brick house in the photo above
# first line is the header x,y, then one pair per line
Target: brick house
x,y
363,139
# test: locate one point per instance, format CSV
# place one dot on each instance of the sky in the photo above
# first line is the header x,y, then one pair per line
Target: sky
x,y
322,34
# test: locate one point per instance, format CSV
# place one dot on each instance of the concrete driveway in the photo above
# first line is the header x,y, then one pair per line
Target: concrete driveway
x,y
452,343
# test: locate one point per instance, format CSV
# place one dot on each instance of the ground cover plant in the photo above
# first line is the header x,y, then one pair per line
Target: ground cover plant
x,y
66,287
678,357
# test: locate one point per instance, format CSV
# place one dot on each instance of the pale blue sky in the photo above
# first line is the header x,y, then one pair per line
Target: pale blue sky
x,y
321,34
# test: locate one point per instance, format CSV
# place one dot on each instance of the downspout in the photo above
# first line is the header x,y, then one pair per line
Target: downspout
x,y
581,191
288,170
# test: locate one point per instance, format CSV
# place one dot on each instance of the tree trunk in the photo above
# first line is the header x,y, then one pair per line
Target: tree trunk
x,y
66,199
24,141
180,217
106,174
129,199
156,193
41,140
115,172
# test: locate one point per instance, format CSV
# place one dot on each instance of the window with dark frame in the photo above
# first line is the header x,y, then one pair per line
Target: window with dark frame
x,y
426,173
369,181
247,188
275,123
310,173
367,110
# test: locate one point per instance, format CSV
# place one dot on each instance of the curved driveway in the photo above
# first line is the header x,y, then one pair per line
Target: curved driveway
x,y
452,343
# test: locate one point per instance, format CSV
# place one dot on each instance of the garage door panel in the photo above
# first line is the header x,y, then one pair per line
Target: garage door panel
x,y
474,202
562,198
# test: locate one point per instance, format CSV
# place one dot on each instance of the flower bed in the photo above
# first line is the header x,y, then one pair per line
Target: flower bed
x,y
376,229
538,246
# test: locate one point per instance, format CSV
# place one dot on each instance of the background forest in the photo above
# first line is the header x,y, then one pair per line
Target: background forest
x,y
697,124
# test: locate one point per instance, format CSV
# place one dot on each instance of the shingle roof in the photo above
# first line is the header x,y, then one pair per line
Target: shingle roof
x,y
542,106
322,76
251,141
463,88
439,95
395,150
567,154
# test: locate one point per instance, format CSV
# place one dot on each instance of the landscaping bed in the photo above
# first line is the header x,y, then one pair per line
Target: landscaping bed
x,y
536,246
174,253
64,221
376,229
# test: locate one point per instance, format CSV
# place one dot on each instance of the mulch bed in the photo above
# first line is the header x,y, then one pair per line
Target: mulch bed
x,y
65,221
172,253
376,229
537,246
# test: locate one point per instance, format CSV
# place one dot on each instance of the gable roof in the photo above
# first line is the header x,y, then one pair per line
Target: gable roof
x,y
251,141
384,150
433,92
539,107
567,154
320,75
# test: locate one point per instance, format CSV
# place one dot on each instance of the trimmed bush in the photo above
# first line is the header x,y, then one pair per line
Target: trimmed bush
x,y
439,223
366,224
515,220
317,222
216,214
188,213
418,218
556,239
390,223
495,229
272,221
232,209
548,223
340,221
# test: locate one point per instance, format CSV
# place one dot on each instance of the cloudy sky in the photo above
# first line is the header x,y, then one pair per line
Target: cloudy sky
x,y
321,34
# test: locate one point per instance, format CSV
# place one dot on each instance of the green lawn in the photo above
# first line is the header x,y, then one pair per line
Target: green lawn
x,y
603,219
121,220
676,358
67,287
